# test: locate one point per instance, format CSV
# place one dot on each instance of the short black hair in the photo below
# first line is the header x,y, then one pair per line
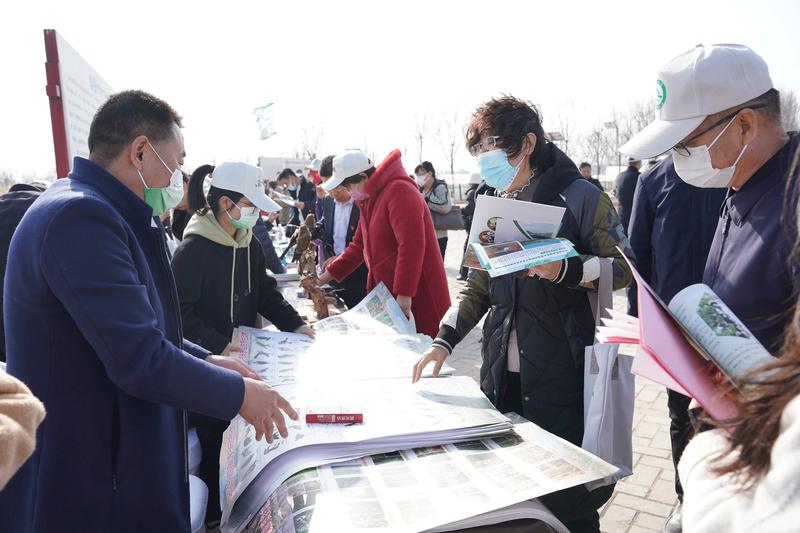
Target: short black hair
x,y
425,166
511,119
584,165
125,116
286,173
358,178
326,167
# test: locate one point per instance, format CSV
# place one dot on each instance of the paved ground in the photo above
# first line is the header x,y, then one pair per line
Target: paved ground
x,y
642,501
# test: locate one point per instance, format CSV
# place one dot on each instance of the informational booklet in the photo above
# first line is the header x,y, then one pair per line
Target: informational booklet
x,y
441,488
492,214
684,344
514,256
378,306
284,199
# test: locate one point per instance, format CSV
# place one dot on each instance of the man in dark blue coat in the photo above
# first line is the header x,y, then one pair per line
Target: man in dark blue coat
x,y
671,230
93,328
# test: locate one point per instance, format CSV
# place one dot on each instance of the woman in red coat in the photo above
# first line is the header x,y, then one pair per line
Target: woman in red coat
x,y
395,237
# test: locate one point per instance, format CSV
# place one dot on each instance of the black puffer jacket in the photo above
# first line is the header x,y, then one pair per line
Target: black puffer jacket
x,y
553,320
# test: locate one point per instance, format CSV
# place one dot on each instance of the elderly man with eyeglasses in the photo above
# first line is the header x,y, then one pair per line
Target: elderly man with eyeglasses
x,y
719,116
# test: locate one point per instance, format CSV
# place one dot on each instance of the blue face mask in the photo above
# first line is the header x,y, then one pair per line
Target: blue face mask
x,y
496,171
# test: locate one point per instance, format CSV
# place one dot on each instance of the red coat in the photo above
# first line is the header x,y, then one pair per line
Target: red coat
x,y
396,239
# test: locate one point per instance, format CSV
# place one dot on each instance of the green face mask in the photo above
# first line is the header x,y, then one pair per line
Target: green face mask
x,y
162,199
247,219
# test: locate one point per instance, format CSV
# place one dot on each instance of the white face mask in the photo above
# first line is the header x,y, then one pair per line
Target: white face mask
x,y
696,168
421,180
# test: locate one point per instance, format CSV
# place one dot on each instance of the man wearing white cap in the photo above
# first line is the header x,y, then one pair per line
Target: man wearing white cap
x,y
720,117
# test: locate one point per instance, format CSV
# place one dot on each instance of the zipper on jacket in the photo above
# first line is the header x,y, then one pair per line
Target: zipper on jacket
x,y
726,226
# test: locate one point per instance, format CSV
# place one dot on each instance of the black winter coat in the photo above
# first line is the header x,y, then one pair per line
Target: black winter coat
x,y
13,206
203,274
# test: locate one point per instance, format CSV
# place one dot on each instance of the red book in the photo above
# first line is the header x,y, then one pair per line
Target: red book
x,y
334,418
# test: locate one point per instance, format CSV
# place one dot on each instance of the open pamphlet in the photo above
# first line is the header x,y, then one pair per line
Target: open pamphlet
x,y
433,488
688,343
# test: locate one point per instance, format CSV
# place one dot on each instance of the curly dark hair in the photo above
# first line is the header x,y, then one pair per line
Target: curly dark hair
x,y
511,119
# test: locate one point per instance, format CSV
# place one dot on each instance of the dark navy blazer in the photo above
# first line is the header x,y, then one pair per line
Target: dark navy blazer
x,y
93,328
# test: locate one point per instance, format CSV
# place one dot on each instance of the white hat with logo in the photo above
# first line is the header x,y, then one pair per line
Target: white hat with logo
x,y
705,80
245,179
345,165
314,165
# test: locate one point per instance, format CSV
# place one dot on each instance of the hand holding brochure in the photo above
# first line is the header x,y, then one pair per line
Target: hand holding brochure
x,y
508,257
686,344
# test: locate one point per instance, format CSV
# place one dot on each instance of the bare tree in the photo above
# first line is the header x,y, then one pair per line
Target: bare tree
x,y
790,111
421,126
6,180
638,115
598,147
311,141
566,127
450,133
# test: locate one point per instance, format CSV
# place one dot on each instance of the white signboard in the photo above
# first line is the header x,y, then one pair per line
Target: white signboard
x,y
83,91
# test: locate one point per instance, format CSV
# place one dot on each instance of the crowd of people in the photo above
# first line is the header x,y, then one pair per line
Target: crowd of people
x,y
125,281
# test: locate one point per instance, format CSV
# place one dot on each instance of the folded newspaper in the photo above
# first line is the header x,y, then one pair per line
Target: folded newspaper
x,y
437,488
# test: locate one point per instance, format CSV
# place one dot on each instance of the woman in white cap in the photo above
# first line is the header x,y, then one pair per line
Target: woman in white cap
x,y
222,282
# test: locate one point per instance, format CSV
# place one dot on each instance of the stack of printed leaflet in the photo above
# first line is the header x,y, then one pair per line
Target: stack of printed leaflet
x,y
509,236
434,488
361,363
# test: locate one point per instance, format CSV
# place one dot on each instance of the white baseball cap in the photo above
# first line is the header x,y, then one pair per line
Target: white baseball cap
x,y
348,164
705,80
244,179
314,165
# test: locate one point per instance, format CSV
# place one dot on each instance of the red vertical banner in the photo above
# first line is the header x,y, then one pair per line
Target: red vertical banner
x,y
53,91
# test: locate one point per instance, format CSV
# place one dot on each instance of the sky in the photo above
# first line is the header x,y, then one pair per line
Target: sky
x,y
364,73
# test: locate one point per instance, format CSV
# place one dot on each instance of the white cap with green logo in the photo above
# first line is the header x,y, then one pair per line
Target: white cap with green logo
x,y
700,82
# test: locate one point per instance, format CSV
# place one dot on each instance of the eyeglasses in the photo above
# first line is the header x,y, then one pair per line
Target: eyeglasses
x,y
489,143
247,209
682,147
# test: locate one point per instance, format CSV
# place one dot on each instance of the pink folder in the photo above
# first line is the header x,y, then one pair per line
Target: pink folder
x,y
673,359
